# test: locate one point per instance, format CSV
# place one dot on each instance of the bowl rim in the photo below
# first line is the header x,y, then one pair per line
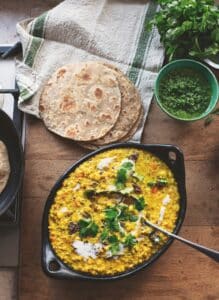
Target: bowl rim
x,y
48,253
16,160
194,62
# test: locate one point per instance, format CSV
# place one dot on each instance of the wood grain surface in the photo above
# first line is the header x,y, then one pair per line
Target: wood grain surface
x,y
181,273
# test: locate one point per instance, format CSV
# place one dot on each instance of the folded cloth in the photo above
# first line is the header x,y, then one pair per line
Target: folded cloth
x,y
110,30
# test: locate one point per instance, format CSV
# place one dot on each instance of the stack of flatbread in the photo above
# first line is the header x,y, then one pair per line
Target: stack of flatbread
x,y
92,103
4,166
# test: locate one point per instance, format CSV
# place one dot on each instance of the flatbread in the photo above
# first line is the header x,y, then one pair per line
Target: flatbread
x,y
130,108
4,166
133,130
81,101
129,135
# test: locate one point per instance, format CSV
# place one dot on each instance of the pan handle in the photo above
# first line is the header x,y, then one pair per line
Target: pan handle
x,y
11,51
14,92
53,267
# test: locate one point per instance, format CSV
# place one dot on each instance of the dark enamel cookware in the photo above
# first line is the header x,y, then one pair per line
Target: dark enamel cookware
x,y
55,267
9,136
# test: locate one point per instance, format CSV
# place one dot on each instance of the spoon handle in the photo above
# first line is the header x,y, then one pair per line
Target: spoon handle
x,y
207,251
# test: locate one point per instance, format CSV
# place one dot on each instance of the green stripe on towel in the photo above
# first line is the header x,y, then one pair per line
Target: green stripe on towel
x,y
142,43
37,31
24,93
38,28
35,44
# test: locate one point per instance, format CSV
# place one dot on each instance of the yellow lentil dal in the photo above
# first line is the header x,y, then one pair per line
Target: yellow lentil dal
x,y
72,204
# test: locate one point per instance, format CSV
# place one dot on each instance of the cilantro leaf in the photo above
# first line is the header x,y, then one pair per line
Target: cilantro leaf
x,y
111,213
140,203
122,174
128,165
130,241
114,248
114,244
104,234
121,178
125,215
133,218
160,182
113,239
87,228
113,225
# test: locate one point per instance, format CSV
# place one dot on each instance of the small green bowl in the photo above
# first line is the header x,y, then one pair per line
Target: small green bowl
x,y
194,65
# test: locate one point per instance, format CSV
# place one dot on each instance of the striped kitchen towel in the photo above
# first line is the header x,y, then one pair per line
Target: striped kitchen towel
x,y
110,30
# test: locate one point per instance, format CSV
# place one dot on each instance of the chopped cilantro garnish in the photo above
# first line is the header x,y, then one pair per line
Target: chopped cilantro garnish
x,y
114,248
104,234
116,214
111,213
130,241
87,228
113,225
125,215
113,239
121,178
133,218
151,183
160,182
114,244
140,203
122,174
128,165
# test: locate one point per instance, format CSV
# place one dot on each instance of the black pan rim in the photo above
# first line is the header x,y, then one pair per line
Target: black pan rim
x,y
16,189
129,272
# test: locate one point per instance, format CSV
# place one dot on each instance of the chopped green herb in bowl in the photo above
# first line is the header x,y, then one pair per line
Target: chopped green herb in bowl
x,y
186,90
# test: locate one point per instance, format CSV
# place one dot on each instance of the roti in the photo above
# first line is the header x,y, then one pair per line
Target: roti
x,y
81,101
133,130
130,108
126,138
4,166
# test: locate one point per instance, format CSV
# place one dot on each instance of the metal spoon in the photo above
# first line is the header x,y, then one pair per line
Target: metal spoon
x,y
207,251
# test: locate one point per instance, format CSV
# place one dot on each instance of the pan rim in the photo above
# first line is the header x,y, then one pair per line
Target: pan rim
x,y
9,198
45,231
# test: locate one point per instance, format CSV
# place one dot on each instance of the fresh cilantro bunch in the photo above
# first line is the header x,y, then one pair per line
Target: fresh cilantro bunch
x,y
188,28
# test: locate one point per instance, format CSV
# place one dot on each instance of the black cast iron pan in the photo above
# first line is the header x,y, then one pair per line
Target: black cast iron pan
x,y
54,267
9,136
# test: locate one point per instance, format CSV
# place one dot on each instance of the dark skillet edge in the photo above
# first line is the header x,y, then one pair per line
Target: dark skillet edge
x,y
20,169
65,271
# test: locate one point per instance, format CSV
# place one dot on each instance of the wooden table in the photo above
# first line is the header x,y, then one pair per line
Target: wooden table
x,y
181,273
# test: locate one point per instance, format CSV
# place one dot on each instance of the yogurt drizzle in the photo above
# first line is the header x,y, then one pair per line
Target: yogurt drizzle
x,y
165,201
104,163
87,250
